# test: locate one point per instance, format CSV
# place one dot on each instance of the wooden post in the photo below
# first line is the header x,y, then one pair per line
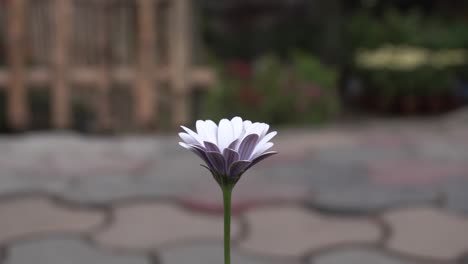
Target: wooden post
x,y
104,82
145,92
60,90
180,58
18,115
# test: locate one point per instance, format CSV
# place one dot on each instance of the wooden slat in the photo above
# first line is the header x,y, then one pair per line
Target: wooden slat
x,y
201,78
145,92
18,116
104,79
180,59
61,116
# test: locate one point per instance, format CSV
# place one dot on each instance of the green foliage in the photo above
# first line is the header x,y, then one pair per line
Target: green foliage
x,y
300,91
421,82
435,35
366,31
310,72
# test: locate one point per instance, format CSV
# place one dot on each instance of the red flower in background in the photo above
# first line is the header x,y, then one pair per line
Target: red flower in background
x,y
240,69
249,96
313,91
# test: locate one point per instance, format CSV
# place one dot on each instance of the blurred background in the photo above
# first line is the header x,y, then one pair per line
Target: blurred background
x,y
369,97
114,66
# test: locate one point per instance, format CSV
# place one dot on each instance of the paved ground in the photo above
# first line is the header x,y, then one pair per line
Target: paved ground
x,y
393,192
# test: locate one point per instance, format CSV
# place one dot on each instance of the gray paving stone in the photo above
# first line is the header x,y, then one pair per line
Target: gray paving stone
x,y
427,232
292,231
464,259
444,150
66,251
364,153
456,194
97,169
367,198
317,174
166,178
362,256
210,253
12,182
31,216
151,225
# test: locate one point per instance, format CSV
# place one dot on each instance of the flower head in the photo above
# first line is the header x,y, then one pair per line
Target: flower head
x,y
230,148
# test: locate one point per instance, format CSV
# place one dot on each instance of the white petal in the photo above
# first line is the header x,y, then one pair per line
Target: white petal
x,y
237,127
211,130
224,134
193,134
265,130
268,137
260,129
247,124
255,128
200,124
184,145
187,138
261,149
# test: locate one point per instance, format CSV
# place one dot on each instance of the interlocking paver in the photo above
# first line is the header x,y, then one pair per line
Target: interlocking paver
x,y
247,194
36,215
209,253
146,226
312,173
291,231
297,143
371,198
415,172
65,154
427,232
368,153
363,256
69,251
455,192
361,168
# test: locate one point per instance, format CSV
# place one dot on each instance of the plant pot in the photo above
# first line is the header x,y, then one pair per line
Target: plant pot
x,y
365,102
409,104
435,104
384,103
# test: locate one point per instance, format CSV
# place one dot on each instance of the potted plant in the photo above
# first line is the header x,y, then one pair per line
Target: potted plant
x,y
297,90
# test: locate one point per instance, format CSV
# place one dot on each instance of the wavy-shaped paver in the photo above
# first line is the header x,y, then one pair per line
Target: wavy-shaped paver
x,y
69,251
37,215
147,226
428,233
291,231
208,253
363,256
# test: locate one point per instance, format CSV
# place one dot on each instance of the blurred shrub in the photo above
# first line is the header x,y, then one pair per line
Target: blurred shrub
x,y
300,90
410,29
407,54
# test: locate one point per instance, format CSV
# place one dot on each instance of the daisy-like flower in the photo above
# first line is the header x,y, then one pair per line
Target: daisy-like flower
x,y
230,148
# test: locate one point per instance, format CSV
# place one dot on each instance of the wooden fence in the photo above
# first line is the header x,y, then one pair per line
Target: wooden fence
x,y
140,44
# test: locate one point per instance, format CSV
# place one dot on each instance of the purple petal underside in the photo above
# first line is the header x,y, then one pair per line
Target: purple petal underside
x,y
211,147
247,146
262,157
233,144
239,167
217,160
202,154
230,156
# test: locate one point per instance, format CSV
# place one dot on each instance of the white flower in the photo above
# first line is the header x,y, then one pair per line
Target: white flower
x,y
230,148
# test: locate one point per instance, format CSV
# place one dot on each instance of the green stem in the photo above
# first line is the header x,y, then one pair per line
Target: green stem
x,y
227,224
